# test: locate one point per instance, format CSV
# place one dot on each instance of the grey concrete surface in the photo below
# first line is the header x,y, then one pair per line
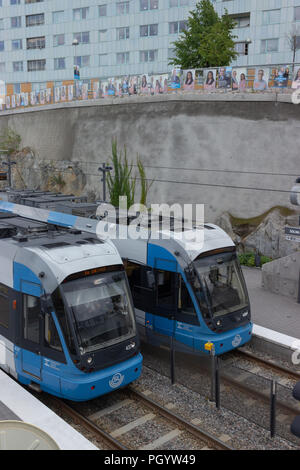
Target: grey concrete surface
x,y
273,311
7,414
219,149
281,276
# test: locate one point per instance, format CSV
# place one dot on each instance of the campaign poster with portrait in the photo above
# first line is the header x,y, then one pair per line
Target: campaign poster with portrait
x,y
280,77
22,103
2,92
224,77
125,85
239,78
96,87
104,88
48,95
26,99
261,79
118,86
133,85
296,80
70,92
42,96
160,84
13,101
175,79
143,84
199,79
32,98
189,80
7,102
78,90
85,91
111,91
57,94
18,100
63,93
209,79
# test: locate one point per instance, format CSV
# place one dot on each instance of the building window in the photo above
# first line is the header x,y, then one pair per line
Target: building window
x,y
102,35
297,13
58,16
82,61
59,63
241,21
80,13
15,2
241,48
122,58
16,44
269,45
122,33
16,22
171,53
176,27
1,23
149,30
103,60
58,40
1,46
178,3
18,66
122,8
148,5
102,10
4,305
36,43
83,38
35,20
33,1
2,67
148,56
36,65
271,16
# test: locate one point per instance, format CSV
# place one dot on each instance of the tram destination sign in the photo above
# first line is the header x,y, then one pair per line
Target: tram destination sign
x,y
3,176
292,234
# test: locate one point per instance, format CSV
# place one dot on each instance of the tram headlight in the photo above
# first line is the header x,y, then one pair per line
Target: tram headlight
x,y
219,323
89,360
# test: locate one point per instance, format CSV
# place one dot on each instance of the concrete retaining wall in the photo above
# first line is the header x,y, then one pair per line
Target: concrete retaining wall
x,y
198,148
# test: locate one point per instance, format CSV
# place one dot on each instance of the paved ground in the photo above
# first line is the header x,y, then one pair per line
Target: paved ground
x,y
270,310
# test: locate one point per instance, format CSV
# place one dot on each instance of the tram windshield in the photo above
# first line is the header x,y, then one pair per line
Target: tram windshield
x,y
220,287
102,310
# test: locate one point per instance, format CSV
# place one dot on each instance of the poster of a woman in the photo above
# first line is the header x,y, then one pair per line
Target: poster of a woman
x,y
189,80
210,80
144,85
296,81
175,79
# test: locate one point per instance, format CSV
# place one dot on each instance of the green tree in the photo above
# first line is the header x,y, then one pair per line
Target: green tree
x,y
208,40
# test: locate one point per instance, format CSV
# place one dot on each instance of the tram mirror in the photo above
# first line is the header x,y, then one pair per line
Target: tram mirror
x,y
150,279
46,303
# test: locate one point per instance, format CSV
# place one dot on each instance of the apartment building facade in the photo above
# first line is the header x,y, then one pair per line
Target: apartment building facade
x,y
41,40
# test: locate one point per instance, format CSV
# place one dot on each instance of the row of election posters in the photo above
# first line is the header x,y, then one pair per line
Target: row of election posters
x,y
210,79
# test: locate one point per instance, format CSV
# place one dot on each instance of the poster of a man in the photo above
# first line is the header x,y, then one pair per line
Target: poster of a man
x,y
111,87
261,81
189,79
224,77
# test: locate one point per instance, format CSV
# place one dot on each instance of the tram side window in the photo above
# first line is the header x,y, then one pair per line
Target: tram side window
x,y
165,281
185,303
51,335
4,306
142,285
31,312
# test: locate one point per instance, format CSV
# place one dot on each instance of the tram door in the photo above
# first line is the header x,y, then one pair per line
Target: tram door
x,y
31,330
166,278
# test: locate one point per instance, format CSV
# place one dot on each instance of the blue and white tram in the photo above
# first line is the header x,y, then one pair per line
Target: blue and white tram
x,y
67,323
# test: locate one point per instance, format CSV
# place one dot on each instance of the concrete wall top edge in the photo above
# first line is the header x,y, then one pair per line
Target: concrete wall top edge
x,y
228,98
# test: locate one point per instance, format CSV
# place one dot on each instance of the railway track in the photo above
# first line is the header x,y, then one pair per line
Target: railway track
x,y
268,364
120,438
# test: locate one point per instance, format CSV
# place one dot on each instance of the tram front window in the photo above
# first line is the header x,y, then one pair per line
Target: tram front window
x,y
220,286
102,310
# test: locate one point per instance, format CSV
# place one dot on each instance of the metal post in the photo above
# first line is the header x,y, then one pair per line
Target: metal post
x,y
172,360
299,289
273,398
217,383
213,373
9,164
104,169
